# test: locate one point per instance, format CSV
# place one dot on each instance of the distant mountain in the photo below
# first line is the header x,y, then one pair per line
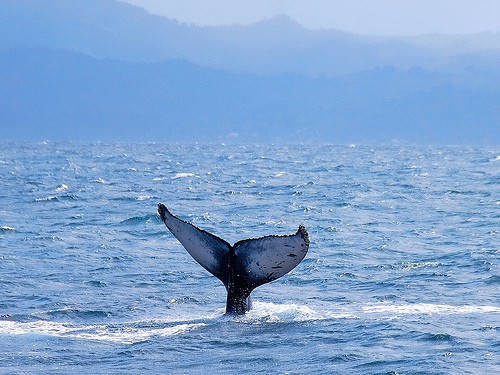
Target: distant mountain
x,y
47,94
116,30
105,70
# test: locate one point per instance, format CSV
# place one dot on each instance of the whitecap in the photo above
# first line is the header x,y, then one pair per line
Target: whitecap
x,y
144,197
268,312
428,308
39,327
183,175
61,188
120,333
7,229
46,199
131,335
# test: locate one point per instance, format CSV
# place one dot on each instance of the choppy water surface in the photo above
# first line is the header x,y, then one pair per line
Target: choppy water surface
x,y
402,274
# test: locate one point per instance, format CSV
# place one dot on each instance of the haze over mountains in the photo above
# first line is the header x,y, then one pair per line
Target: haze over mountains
x,y
105,70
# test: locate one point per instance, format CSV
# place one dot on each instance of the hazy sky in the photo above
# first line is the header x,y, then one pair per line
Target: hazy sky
x,y
375,17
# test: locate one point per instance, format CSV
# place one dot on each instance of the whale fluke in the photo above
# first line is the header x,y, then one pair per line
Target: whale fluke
x,y
245,265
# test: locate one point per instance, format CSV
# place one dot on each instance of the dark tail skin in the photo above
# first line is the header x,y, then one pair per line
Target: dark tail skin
x,y
245,265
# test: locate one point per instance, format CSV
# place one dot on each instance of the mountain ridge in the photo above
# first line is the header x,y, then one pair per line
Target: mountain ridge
x,y
121,31
62,95
104,70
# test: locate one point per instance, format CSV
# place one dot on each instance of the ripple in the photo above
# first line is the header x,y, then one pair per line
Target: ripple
x,y
437,337
136,220
69,313
96,283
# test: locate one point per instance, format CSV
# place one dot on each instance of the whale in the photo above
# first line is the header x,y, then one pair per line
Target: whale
x,y
241,267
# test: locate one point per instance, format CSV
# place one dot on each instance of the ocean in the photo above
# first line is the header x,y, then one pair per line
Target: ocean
x,y
402,274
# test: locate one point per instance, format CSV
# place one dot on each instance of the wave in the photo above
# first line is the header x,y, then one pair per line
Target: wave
x,y
128,333
53,198
428,308
268,312
182,175
145,197
263,313
61,188
118,333
47,199
68,313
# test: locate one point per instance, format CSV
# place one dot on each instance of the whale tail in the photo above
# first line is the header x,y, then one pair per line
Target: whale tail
x,y
245,265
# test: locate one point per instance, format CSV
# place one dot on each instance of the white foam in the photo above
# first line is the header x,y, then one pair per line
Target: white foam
x,y
183,175
61,188
268,312
144,197
427,308
128,335
124,333
38,327
262,313
46,199
265,312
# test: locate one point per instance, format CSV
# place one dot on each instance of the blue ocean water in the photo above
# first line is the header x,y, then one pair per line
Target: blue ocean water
x,y
402,275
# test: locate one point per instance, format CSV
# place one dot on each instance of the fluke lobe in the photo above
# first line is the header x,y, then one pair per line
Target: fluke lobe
x,y
245,265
